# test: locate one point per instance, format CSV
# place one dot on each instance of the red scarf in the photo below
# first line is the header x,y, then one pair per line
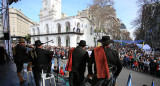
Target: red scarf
x,y
69,63
101,63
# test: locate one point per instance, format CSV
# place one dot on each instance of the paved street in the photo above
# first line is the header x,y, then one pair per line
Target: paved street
x,y
138,78
9,78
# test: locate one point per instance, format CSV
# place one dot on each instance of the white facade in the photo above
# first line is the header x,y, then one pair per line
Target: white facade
x,y
64,31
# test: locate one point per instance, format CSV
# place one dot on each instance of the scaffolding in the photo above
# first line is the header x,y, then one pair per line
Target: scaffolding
x,y
4,25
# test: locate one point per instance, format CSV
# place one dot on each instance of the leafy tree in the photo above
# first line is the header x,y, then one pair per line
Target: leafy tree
x,y
28,38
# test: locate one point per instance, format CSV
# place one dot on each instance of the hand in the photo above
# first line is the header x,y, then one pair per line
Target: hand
x,y
90,76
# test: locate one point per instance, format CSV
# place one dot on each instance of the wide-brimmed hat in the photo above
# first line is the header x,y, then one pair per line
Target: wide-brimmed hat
x,y
82,43
21,40
38,43
105,39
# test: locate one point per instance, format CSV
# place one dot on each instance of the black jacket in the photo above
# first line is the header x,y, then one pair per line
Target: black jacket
x,y
79,59
112,59
21,55
41,58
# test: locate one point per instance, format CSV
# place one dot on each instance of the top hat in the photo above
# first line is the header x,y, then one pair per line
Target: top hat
x,y
105,39
21,40
38,43
82,43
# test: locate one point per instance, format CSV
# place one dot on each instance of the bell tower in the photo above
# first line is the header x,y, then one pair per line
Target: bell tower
x,y
51,9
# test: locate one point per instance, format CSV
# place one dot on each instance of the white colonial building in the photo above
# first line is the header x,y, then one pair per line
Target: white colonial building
x,y
65,31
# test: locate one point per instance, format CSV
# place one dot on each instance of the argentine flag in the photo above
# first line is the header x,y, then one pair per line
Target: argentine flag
x,y
52,64
129,83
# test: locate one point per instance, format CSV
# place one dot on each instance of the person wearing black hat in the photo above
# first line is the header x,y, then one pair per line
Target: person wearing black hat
x,y
107,64
40,61
76,65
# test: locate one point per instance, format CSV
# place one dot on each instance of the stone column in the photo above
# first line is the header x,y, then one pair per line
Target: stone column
x,y
73,39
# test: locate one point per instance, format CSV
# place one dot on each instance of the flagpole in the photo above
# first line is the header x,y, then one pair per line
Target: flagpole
x,y
153,80
129,83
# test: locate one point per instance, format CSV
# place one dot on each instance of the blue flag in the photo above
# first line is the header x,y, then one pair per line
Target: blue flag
x,y
152,83
129,83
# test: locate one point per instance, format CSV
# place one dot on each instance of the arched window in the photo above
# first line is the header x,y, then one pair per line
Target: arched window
x,y
47,28
59,28
59,41
33,31
67,26
67,41
38,30
78,28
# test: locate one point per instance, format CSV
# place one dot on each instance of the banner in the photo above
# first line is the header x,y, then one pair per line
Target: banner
x,y
129,41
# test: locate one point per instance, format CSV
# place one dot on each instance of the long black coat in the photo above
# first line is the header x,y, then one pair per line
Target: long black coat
x,y
42,57
40,62
79,59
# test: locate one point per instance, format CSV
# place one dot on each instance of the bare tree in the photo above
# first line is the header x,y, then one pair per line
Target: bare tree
x,y
104,18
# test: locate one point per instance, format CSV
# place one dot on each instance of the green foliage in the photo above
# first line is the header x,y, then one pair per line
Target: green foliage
x,y
28,38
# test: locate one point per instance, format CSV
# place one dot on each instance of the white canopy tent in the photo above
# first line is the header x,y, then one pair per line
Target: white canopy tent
x,y
145,48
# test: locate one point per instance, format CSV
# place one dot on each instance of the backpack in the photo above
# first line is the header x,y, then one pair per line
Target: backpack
x,y
33,55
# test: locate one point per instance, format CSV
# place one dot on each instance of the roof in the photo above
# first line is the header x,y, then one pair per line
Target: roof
x,y
123,26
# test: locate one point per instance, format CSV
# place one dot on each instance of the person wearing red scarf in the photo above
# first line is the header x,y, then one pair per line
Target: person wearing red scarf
x,y
61,71
107,64
76,65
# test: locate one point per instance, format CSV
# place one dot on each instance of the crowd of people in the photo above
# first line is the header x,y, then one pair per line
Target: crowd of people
x,y
135,58
130,56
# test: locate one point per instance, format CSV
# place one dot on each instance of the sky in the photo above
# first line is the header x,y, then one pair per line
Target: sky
x,y
126,10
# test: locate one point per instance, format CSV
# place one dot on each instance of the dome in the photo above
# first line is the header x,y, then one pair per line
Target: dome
x,y
123,26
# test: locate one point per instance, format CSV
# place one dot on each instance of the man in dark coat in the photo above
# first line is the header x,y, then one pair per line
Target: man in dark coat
x,y
107,64
40,61
20,57
76,64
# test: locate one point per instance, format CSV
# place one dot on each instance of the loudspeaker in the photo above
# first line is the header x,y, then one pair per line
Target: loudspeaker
x,y
6,36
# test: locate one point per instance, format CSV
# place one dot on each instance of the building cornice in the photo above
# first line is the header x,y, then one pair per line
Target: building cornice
x,y
19,13
58,34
